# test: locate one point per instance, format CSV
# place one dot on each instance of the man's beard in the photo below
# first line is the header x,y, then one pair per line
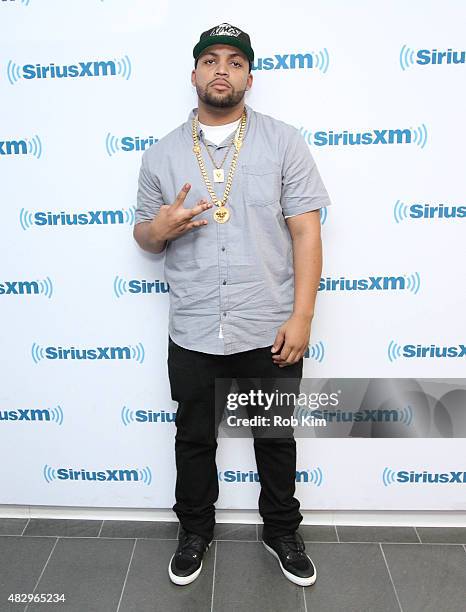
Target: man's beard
x,y
220,101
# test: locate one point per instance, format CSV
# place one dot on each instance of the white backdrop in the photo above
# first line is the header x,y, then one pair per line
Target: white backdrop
x,y
99,432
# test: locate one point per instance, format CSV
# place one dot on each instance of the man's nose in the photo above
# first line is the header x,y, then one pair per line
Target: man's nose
x,y
222,69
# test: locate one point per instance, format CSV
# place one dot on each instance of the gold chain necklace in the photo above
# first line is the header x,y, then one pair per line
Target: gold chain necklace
x,y
219,175
222,214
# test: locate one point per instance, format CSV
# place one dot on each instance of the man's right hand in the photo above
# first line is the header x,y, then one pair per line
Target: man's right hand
x,y
175,220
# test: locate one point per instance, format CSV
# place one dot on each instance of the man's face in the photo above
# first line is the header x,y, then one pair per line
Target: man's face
x,y
222,76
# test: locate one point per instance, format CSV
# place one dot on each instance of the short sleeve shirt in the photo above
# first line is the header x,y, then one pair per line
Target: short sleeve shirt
x,y
231,285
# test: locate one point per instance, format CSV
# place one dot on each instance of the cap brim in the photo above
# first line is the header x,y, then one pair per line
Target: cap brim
x,y
223,40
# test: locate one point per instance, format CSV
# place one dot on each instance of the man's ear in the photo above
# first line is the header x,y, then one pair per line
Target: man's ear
x,y
193,77
249,81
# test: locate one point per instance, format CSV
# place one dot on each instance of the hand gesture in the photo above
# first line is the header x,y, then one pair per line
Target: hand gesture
x,y
174,220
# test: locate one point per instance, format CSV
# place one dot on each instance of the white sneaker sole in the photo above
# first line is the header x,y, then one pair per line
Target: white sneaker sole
x,y
296,579
182,580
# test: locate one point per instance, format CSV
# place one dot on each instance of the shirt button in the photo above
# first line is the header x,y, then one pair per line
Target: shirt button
x,y
223,248
224,314
224,282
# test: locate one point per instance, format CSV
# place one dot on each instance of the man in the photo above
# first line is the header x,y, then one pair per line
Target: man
x,y
243,279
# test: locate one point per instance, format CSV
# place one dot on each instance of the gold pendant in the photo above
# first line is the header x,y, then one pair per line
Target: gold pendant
x,y
219,176
222,214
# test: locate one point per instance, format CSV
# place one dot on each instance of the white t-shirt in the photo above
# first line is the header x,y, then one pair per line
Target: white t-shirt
x,y
218,133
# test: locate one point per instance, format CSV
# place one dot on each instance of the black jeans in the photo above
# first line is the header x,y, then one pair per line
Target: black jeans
x,y
192,377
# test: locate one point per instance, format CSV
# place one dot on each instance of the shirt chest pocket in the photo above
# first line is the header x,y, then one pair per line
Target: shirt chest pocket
x,y
262,183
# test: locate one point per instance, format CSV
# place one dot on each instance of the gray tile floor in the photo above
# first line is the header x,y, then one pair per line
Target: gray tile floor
x,y
121,566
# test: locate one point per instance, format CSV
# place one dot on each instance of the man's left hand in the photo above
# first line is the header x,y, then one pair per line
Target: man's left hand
x,y
294,334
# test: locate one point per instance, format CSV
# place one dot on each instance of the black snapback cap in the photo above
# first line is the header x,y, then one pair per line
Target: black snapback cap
x,y
225,34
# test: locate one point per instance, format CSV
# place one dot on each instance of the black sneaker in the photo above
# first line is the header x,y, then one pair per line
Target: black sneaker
x,y
186,563
294,562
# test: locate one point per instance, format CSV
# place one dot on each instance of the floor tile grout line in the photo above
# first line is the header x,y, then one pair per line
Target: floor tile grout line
x,y
415,543
337,534
126,576
131,537
419,537
178,531
304,596
390,574
213,577
25,526
101,527
42,572
93,537
380,542
257,532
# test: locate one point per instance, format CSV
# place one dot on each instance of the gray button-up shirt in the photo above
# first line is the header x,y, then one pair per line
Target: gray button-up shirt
x,y
231,285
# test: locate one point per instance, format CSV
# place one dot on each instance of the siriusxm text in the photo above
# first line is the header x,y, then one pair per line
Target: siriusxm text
x,y
79,70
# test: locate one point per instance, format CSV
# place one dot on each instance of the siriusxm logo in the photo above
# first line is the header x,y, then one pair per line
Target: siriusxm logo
x,y
404,415
314,476
25,146
402,211
33,414
99,353
129,416
315,351
429,57
41,218
417,136
143,475
116,144
318,60
40,287
98,68
390,476
372,283
123,287
420,351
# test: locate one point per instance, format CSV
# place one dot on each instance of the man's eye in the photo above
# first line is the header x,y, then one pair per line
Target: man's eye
x,y
209,60
237,64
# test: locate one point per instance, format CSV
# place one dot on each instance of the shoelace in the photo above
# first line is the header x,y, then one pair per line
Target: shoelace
x,y
191,544
296,545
